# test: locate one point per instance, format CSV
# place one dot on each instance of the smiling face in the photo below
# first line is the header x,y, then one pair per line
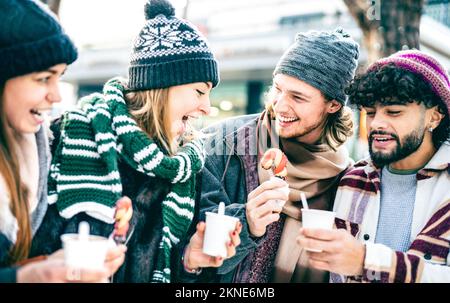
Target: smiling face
x,y
26,99
397,131
300,110
186,103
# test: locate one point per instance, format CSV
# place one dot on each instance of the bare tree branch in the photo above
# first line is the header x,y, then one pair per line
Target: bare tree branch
x,y
358,9
400,24
397,27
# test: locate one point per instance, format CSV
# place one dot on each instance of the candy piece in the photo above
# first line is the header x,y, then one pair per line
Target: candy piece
x,y
125,218
281,166
274,158
122,216
123,203
283,173
121,231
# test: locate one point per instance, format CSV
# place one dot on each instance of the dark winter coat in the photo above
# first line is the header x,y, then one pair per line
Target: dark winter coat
x,y
146,194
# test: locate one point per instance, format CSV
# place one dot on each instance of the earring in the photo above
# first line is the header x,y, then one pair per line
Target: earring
x,y
430,129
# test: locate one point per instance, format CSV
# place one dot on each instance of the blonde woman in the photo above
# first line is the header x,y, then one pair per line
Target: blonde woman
x,y
134,139
34,53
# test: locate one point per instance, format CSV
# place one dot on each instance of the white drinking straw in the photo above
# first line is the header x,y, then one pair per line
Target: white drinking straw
x,y
221,210
83,231
304,202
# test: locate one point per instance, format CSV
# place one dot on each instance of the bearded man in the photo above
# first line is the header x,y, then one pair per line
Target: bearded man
x,y
393,211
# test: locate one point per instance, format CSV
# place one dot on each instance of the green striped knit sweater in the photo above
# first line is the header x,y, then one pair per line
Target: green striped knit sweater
x,y
84,174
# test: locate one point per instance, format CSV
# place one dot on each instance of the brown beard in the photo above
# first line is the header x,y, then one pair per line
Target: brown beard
x,y
309,129
410,144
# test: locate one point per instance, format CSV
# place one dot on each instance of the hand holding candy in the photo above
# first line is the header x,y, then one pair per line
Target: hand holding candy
x,y
274,158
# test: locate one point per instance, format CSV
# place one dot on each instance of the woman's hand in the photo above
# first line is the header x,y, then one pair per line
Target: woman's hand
x,y
54,270
57,255
114,258
194,256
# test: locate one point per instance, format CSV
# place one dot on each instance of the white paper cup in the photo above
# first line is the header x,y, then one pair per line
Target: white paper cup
x,y
316,218
217,234
88,254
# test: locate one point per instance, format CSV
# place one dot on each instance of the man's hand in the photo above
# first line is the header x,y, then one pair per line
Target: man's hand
x,y
194,256
261,208
341,252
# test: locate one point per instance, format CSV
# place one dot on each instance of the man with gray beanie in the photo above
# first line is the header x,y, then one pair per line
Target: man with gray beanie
x,y
305,118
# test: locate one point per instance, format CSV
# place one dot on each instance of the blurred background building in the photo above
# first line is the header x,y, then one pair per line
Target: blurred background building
x,y
248,37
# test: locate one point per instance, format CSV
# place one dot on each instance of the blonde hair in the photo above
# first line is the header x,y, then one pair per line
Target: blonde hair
x,y
10,171
150,110
338,126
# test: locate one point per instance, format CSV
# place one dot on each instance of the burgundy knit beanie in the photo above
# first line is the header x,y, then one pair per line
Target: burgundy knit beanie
x,y
424,65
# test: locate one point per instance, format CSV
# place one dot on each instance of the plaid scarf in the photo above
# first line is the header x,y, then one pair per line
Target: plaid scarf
x,y
84,175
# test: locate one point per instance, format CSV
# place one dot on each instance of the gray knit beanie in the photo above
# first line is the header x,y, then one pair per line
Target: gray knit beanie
x,y
325,60
169,51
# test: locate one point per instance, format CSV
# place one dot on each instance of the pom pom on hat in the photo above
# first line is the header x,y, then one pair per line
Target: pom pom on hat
x,y
169,51
154,8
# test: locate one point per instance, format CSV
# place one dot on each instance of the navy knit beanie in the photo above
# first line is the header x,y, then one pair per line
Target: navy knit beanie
x,y
325,60
169,51
31,39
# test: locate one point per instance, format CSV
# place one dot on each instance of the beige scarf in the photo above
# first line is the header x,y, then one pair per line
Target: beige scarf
x,y
313,169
